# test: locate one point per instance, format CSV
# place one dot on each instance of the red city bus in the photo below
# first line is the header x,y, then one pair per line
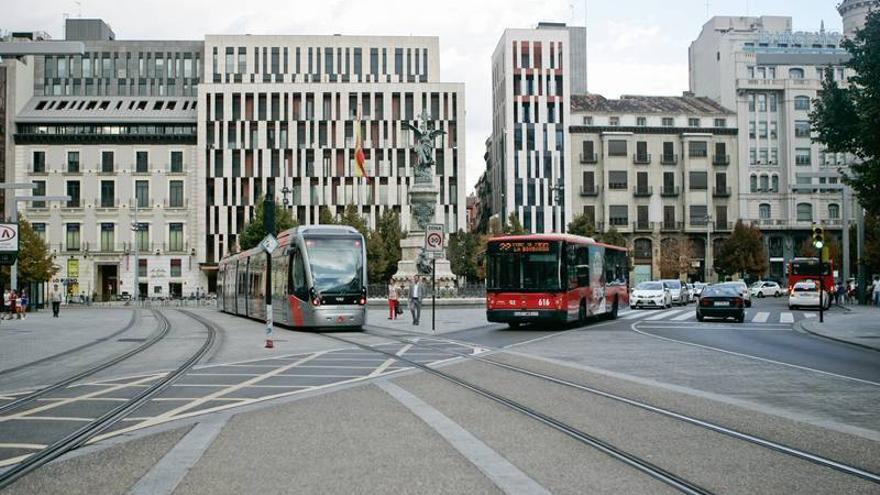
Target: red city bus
x,y
800,269
554,278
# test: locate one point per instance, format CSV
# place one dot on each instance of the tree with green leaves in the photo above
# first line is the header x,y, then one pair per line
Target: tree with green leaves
x,y
847,119
377,258
582,225
742,252
462,252
35,263
353,218
391,234
325,217
254,232
514,227
612,236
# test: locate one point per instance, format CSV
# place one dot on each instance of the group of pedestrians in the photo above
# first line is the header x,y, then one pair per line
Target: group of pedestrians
x,y
416,294
15,304
848,294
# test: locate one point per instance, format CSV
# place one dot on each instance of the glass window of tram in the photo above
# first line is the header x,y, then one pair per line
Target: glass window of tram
x,y
336,265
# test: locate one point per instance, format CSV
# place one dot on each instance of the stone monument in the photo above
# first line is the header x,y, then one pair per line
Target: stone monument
x,y
423,201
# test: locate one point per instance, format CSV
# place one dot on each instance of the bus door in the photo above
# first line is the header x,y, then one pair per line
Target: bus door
x,y
597,280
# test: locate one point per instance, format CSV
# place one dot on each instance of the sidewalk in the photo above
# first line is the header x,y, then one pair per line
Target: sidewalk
x,y
449,319
859,326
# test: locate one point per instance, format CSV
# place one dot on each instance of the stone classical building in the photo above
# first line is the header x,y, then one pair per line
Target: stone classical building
x,y
278,113
114,128
854,13
534,73
769,75
656,169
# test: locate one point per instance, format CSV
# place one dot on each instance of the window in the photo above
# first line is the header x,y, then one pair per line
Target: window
x,y
39,190
753,156
804,212
176,270
617,179
107,162
801,103
762,102
697,149
40,230
765,186
764,211
753,183
698,214
175,194
833,211
588,120
108,193
751,102
39,162
107,237
802,156
720,122
641,121
72,237
762,130
175,237
617,147
176,162
772,102
693,122
142,237
73,162
141,162
142,268
614,121
774,183
642,151
802,128
668,122
618,214
697,180
142,193
796,73
73,192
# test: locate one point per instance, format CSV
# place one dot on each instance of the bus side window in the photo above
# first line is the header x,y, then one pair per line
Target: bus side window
x,y
298,276
583,266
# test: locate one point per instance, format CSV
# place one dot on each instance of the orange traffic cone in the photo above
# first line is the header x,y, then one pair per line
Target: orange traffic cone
x,y
270,344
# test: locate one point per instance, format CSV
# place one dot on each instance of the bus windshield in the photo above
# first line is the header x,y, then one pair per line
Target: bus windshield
x,y
523,265
809,267
336,264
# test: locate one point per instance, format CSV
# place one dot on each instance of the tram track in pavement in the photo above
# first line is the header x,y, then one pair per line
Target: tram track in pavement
x,y
98,425
76,349
708,425
643,465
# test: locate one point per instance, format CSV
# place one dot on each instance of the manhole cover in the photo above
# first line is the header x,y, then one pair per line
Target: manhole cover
x,y
131,340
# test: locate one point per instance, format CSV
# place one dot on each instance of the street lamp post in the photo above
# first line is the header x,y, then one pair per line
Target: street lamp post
x,y
708,243
136,227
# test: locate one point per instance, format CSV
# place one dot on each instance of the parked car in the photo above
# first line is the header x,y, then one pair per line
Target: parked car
x,y
742,288
650,295
763,288
677,290
691,295
721,301
805,294
698,289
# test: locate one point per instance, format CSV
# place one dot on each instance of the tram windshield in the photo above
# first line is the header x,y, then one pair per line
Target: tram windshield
x,y
336,264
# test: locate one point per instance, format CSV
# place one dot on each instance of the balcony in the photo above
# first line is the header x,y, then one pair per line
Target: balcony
x,y
643,192
669,192
104,248
590,190
723,226
670,226
669,159
642,158
642,226
721,192
589,158
174,204
721,160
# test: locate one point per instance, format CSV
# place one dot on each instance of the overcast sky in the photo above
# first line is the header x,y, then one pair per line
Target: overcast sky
x,y
635,46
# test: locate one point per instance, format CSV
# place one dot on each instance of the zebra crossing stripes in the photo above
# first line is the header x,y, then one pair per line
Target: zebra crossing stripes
x,y
665,314
688,314
786,318
761,317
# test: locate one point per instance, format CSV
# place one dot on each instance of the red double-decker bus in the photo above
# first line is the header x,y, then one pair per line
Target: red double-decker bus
x,y
800,269
555,278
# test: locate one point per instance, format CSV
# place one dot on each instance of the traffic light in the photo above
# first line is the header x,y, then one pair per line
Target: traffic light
x,y
818,237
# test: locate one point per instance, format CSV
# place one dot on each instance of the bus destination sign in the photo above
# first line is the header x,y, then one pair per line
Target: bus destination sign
x,y
524,247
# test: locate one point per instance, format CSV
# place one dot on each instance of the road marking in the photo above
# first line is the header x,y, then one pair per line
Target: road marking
x,y
634,327
29,446
173,467
809,315
632,314
388,362
222,374
761,317
663,314
786,318
685,316
507,477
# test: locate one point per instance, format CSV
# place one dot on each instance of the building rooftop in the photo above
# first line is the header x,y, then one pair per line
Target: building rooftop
x,y
685,104
61,109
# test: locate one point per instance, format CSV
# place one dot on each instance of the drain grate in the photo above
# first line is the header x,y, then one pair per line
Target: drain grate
x,y
131,340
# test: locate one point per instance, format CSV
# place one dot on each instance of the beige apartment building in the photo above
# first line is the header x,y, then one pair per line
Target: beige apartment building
x,y
657,169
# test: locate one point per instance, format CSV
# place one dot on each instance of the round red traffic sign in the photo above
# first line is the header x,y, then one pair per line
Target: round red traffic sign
x,y
435,240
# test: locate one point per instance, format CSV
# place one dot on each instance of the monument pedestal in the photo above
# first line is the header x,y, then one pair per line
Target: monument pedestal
x,y
411,247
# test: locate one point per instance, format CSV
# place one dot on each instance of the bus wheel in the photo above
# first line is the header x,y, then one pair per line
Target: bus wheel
x,y
613,314
582,313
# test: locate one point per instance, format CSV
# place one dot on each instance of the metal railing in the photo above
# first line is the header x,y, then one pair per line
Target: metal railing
x,y
721,192
670,226
642,158
380,291
669,159
723,226
589,158
642,226
721,160
642,192
669,191
590,190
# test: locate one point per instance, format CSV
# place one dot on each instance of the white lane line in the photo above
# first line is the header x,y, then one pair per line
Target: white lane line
x,y
90,399
786,318
634,328
173,467
507,477
809,315
319,376
29,446
222,374
185,399
54,418
686,316
761,317
663,314
388,362
209,385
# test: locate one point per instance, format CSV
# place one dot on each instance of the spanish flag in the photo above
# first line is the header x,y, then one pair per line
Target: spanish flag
x,y
359,168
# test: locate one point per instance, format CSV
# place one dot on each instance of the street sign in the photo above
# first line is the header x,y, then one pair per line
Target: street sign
x,y
8,243
434,238
269,243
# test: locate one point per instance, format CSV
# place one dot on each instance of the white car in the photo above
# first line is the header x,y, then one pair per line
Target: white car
x,y
763,288
806,295
650,295
743,290
691,294
677,289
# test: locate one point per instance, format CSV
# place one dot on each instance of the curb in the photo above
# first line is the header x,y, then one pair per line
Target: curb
x,y
800,325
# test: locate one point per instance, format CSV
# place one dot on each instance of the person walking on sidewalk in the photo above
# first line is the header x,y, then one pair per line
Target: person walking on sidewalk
x,y
392,301
25,302
56,301
876,291
415,299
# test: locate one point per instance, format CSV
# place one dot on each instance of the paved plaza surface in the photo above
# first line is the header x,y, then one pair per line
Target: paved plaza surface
x,y
363,412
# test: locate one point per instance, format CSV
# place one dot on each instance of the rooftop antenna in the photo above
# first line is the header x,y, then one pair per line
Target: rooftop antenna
x,y
822,27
